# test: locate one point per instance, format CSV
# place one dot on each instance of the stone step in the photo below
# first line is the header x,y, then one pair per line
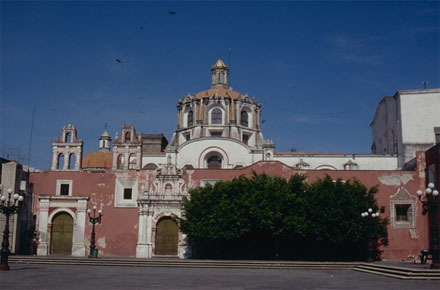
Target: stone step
x,y
371,268
399,272
184,263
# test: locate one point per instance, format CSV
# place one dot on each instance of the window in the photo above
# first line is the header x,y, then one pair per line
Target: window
x,y
403,207
68,137
214,162
216,133
60,161
402,212
64,189
244,118
72,161
187,136
245,139
150,166
127,137
127,193
216,116
190,118
120,162
132,162
168,188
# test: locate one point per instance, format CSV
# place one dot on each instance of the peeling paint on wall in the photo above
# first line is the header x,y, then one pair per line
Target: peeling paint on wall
x,y
414,234
101,242
395,179
110,201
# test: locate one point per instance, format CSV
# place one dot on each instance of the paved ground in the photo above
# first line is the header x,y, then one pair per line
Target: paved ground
x,y
40,276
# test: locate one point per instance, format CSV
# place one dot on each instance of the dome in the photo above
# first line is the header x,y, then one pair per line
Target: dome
x,y
219,92
98,160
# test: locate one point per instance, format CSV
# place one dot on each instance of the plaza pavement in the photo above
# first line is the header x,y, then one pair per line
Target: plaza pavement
x,y
60,276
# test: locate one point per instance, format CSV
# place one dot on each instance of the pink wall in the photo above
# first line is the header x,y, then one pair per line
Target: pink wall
x,y
117,235
402,242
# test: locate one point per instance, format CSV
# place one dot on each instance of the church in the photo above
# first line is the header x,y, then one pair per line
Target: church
x,y
139,180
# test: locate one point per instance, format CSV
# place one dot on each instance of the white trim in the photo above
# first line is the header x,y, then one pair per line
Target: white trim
x,y
120,185
64,181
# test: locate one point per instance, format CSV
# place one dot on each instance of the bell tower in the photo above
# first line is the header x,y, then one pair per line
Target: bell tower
x,y
67,150
219,75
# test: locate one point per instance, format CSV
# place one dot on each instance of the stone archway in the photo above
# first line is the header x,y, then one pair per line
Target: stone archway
x,y
61,234
166,242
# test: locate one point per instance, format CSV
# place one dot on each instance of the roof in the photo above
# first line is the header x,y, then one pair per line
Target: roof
x,y
308,153
105,134
98,160
219,64
219,92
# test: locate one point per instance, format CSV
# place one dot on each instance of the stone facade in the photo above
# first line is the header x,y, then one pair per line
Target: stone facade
x,y
218,137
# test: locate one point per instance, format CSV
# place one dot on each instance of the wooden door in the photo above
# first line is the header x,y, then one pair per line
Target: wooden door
x,y
166,237
62,232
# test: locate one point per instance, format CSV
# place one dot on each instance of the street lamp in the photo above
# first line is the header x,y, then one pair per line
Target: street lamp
x,y
370,215
430,204
8,206
94,220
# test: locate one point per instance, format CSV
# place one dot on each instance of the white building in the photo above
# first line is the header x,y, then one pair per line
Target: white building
x,y
220,128
405,123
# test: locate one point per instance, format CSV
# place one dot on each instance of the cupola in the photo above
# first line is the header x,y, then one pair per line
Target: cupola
x,y
219,75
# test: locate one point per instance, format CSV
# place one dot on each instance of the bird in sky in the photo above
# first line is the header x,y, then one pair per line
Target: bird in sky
x,y
171,12
118,60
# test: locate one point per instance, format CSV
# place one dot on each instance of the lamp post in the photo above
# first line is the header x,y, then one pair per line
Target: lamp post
x,y
370,216
94,220
8,206
430,204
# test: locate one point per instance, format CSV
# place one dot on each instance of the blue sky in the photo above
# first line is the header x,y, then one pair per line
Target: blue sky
x,y
318,68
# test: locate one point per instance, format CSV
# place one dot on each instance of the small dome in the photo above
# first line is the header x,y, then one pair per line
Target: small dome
x,y
98,160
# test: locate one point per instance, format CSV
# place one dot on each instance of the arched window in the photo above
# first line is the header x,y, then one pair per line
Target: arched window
x,y
68,137
244,118
190,118
216,116
127,137
214,162
132,161
150,166
72,161
60,161
120,162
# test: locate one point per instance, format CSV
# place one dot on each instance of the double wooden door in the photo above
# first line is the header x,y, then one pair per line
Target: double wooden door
x,y
62,233
166,237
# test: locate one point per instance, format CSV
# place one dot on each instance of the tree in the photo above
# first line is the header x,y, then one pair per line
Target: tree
x,y
269,217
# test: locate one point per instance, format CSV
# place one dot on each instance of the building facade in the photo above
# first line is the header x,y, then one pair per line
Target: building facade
x,y
139,180
21,225
406,123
